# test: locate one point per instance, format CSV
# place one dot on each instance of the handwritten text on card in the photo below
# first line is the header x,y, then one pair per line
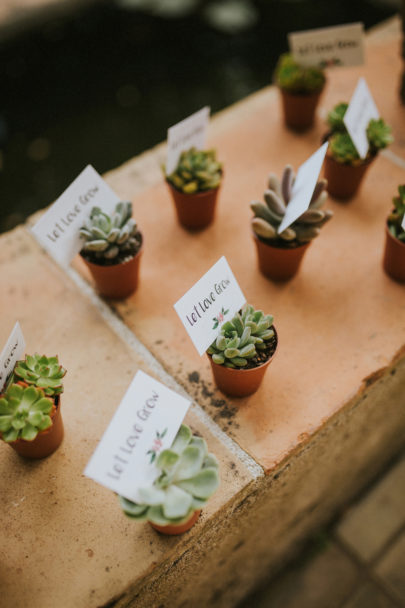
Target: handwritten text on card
x,y
11,353
190,132
145,423
214,299
330,46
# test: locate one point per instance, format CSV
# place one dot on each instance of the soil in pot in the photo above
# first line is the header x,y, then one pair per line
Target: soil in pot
x,y
279,263
344,180
46,442
173,530
299,109
116,280
394,257
194,211
244,381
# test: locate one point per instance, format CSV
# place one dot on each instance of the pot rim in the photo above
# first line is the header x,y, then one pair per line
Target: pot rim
x,y
393,238
251,369
257,238
140,250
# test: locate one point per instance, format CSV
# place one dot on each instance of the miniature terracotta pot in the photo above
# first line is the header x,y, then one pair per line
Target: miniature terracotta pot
x,y
278,263
299,109
117,280
46,442
394,257
179,528
344,180
194,211
240,382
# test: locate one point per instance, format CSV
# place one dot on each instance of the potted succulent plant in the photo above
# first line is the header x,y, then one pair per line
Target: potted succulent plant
x,y
279,255
242,352
188,477
300,88
112,249
194,186
344,169
30,408
394,252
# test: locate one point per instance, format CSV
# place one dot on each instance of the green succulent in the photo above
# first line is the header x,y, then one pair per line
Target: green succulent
x,y
396,216
242,337
269,215
110,239
341,147
296,78
197,171
188,477
335,117
24,412
41,371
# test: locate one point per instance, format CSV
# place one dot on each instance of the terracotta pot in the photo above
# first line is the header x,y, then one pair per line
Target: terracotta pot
x,y
394,257
278,263
194,211
344,180
240,382
299,109
179,528
117,280
46,442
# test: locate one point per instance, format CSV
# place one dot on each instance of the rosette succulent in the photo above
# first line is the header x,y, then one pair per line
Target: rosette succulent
x,y
110,239
196,171
268,215
41,371
188,477
296,78
396,217
341,146
241,338
24,412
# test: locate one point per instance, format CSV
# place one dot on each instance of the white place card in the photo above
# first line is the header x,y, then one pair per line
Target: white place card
x,y
11,353
303,187
212,301
339,45
190,132
403,223
361,110
145,423
58,228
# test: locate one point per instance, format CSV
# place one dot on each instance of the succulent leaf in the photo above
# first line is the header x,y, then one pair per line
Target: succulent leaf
x,y
24,412
196,171
42,372
269,216
298,79
110,239
176,494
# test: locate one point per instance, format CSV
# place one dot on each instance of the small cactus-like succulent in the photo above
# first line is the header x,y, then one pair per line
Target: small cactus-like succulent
x,y
298,79
43,372
196,171
341,147
396,216
189,476
24,412
242,338
268,215
110,239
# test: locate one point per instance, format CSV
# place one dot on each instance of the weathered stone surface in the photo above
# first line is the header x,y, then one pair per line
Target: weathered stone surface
x,y
326,580
371,523
392,567
65,540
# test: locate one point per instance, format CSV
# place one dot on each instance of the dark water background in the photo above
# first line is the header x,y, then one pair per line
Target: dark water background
x,y
103,85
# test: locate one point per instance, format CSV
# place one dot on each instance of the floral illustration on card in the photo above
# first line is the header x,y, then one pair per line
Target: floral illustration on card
x,y
219,318
157,445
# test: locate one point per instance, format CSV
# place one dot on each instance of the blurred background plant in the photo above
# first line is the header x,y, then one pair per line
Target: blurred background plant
x,y
101,81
